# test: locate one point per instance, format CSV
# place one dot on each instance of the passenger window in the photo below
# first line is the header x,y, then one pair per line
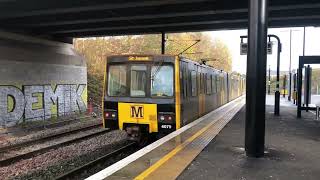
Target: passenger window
x,y
209,84
185,79
221,84
182,82
202,83
193,83
198,83
218,84
214,84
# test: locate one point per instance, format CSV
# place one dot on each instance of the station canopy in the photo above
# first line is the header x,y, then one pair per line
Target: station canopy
x,y
83,18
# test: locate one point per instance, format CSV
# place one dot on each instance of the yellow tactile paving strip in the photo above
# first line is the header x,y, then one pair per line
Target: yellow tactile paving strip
x,y
171,158
172,165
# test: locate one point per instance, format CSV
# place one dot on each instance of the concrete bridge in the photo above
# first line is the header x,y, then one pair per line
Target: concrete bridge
x,y
39,79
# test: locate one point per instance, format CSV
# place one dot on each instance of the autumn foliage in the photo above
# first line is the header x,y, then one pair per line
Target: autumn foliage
x,y
95,50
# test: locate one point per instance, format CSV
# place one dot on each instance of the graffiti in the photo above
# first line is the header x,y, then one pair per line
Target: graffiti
x,y
38,102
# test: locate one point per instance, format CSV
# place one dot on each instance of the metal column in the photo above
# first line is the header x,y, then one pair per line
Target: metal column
x,y
307,87
163,43
299,86
256,78
290,74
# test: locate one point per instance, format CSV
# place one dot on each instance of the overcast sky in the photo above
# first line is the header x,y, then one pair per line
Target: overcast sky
x,y
232,40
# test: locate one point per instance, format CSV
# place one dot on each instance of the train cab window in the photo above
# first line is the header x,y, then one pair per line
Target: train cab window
x,y
162,81
138,80
193,83
209,87
117,80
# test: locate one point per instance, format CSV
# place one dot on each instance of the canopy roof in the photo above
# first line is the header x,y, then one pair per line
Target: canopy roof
x,y
81,18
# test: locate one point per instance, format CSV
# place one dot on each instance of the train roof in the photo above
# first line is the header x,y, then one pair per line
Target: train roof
x,y
143,57
202,65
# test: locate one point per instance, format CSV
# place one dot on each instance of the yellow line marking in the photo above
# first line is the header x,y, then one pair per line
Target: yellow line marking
x,y
159,163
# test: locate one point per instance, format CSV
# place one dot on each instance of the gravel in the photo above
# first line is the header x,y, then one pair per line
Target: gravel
x,y
32,147
11,138
55,162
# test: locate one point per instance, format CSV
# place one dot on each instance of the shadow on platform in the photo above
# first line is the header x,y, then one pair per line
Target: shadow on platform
x,y
292,150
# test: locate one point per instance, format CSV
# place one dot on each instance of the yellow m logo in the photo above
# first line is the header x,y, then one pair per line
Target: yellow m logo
x,y
137,111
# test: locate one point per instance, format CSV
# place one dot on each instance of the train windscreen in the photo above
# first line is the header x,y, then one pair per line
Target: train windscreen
x,y
160,80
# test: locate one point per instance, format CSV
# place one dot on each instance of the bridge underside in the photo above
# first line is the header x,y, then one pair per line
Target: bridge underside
x,y
64,19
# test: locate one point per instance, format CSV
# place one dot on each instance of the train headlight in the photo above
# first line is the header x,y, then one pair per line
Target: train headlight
x,y
111,115
167,117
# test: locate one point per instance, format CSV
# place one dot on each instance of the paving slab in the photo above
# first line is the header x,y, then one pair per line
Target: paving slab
x,y
292,150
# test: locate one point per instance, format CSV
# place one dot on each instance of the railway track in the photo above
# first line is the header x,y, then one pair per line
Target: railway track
x,y
79,172
60,123
28,149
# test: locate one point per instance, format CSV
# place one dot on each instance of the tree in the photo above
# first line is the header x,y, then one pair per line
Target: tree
x,y
95,50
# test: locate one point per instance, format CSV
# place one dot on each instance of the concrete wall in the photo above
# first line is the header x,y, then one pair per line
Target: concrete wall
x,y
39,79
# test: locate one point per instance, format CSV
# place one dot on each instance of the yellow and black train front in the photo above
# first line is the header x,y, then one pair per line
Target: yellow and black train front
x,y
141,94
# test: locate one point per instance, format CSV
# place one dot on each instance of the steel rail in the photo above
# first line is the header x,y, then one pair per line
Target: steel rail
x,y
91,164
33,153
43,139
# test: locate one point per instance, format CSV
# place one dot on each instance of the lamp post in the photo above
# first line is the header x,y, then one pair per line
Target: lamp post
x,y
277,92
290,60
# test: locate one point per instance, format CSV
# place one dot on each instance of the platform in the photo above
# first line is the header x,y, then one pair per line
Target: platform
x,y
199,151
292,150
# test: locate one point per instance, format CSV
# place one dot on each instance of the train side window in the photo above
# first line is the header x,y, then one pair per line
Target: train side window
x,y
209,84
214,84
198,81
193,83
222,84
204,79
218,84
184,80
202,83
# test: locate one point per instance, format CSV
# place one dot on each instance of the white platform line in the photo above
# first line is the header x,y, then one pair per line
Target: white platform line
x,y
133,157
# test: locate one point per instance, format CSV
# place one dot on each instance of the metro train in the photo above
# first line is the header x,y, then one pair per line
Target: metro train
x,y
157,94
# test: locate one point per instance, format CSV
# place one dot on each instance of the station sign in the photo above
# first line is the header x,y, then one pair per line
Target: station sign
x,y
244,48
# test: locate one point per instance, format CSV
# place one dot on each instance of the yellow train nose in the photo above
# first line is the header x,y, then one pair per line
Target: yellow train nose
x,y
134,113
